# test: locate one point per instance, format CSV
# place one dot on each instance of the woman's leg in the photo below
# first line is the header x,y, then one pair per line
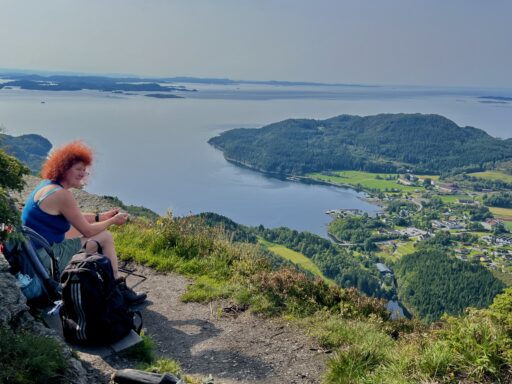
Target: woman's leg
x,y
107,243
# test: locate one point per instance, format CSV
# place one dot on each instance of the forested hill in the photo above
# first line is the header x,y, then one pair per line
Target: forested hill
x,y
380,143
29,149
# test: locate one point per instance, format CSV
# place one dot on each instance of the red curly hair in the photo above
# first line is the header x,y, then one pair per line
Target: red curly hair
x,y
64,157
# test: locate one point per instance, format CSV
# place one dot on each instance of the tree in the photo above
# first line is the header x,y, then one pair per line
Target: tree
x,y
11,177
499,229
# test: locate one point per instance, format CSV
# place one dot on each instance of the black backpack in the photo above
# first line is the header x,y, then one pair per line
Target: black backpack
x,y
94,311
40,286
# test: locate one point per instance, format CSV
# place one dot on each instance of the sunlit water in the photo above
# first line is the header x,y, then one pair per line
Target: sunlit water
x,y
154,152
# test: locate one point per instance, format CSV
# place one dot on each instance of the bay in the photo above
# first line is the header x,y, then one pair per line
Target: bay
x,y
154,152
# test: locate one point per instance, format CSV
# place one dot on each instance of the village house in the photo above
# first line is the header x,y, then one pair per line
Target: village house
x,y
467,202
447,188
447,224
403,181
383,269
503,240
412,232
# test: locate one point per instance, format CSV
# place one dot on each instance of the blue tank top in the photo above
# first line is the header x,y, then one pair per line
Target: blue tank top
x,y
51,227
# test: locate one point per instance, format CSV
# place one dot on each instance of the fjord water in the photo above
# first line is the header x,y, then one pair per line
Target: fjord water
x,y
154,152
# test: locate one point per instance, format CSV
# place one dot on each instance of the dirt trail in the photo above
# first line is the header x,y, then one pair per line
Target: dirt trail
x,y
233,348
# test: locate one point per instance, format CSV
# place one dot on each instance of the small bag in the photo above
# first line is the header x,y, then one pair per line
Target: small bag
x,y
40,286
94,311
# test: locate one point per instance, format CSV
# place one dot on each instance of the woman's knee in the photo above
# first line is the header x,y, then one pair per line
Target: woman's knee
x,y
105,239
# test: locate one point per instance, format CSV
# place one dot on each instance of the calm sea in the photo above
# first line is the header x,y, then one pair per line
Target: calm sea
x,y
154,152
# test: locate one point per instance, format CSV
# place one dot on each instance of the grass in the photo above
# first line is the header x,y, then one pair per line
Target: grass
x,y
404,248
386,252
367,348
474,348
143,353
505,277
501,212
493,175
447,199
147,360
29,358
295,257
365,180
219,268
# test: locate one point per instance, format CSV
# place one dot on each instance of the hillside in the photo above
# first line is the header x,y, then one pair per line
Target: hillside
x,y
380,143
239,317
30,149
431,283
334,262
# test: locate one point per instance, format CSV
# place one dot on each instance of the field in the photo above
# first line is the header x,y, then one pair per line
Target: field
x,y
493,175
389,253
404,248
295,257
503,213
366,180
454,198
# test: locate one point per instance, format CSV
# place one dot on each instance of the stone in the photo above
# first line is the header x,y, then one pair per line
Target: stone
x,y
14,314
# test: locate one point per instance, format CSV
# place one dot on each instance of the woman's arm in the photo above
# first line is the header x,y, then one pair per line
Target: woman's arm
x,y
91,217
68,207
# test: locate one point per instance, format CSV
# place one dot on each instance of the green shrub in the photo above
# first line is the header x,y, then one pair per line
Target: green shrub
x,y
436,359
480,345
144,352
350,365
205,289
294,292
11,177
29,359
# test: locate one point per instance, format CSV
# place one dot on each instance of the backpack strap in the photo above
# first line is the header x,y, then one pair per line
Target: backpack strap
x,y
40,242
135,327
48,193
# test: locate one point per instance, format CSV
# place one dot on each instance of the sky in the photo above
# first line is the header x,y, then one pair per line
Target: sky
x,y
402,42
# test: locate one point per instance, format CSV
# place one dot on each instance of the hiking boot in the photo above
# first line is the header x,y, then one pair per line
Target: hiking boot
x,y
130,296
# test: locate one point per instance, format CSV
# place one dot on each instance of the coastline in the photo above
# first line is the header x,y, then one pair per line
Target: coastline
x,y
307,180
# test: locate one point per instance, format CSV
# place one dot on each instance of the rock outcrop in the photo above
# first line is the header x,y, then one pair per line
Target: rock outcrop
x,y
14,314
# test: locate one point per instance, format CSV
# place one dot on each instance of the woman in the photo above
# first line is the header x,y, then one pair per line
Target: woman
x,y
52,211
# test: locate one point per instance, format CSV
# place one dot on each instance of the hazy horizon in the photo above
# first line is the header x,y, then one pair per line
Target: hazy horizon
x,y
397,42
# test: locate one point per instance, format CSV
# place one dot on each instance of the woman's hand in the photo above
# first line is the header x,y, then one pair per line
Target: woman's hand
x,y
120,218
109,214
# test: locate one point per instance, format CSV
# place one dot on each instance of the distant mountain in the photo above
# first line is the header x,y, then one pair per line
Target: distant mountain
x,y
380,143
29,149
37,76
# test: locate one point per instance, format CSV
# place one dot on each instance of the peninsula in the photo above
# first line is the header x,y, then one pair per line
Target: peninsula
x,y
381,143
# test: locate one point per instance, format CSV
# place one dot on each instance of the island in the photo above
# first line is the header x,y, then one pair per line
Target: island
x,y
98,83
163,96
31,149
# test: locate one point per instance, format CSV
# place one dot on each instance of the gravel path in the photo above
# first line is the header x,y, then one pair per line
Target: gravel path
x,y
232,347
